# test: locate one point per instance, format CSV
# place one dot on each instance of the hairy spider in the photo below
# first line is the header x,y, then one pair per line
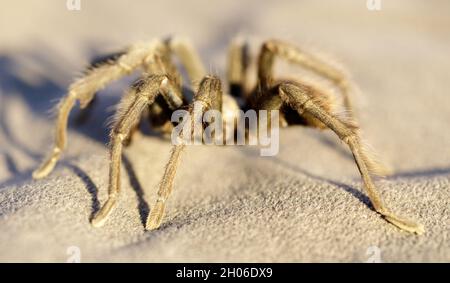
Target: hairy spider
x,y
160,92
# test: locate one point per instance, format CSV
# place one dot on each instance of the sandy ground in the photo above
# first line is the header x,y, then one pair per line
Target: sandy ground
x,y
305,204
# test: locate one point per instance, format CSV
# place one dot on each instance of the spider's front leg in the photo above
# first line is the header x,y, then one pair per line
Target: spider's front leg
x,y
84,89
209,96
299,98
141,95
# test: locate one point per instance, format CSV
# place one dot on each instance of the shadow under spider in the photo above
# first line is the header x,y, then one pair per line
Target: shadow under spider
x,y
354,192
10,164
90,186
143,207
361,196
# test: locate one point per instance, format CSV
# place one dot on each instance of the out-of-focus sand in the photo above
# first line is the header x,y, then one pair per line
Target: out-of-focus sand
x,y
229,204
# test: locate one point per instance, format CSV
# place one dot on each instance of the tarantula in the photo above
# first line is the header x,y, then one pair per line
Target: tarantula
x,y
160,93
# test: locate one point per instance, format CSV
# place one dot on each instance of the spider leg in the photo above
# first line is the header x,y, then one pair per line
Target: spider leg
x,y
298,98
209,97
183,49
291,53
84,89
238,59
142,94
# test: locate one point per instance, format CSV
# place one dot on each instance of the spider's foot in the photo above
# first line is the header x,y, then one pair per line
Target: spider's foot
x,y
97,221
404,224
156,215
100,218
45,168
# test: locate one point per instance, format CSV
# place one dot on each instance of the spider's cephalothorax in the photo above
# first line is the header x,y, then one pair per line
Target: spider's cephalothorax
x,y
160,91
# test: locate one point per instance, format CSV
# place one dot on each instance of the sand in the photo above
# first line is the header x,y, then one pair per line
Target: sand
x,y
304,205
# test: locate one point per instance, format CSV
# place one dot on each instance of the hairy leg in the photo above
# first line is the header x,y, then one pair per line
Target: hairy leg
x,y
84,89
190,59
297,96
129,112
208,95
274,48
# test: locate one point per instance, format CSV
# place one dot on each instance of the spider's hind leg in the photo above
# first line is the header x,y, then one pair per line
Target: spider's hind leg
x,y
275,48
299,98
322,98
